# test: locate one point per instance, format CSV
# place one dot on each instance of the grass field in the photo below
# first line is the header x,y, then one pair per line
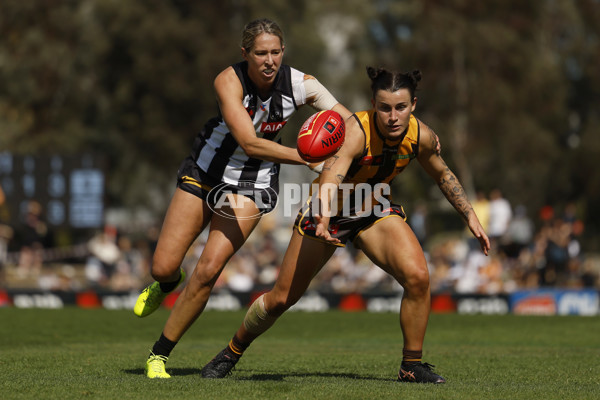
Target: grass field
x,y
76,354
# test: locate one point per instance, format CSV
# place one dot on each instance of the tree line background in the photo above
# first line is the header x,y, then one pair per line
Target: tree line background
x,y
511,87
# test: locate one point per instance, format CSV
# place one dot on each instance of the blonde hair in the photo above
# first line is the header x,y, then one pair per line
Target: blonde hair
x,y
257,27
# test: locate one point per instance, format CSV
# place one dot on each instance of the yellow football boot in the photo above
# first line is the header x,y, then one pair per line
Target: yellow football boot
x,y
152,297
155,367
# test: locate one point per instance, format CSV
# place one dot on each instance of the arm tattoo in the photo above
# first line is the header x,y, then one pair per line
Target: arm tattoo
x,y
435,142
329,162
454,192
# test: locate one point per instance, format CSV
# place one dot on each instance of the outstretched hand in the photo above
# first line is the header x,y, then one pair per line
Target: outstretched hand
x,y
480,235
322,231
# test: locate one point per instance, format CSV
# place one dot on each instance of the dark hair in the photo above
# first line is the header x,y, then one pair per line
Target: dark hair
x,y
257,27
382,79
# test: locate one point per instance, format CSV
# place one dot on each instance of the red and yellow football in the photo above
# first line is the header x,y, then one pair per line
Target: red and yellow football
x,y
321,136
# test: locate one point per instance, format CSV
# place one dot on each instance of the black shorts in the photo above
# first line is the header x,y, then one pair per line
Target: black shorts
x,y
344,228
192,179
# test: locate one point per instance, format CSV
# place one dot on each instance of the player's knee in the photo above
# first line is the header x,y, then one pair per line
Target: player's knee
x,y
164,268
206,273
277,309
417,282
162,272
278,304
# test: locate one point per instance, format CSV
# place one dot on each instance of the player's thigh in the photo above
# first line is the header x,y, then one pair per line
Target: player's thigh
x,y
186,217
303,259
231,227
393,246
229,230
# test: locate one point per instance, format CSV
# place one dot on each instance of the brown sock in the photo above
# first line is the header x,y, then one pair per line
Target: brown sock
x,y
411,356
236,347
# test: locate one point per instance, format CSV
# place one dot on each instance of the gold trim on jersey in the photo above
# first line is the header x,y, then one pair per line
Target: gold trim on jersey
x,y
383,159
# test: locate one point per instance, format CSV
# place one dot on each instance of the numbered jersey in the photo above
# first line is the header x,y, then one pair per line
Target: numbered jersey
x,y
215,149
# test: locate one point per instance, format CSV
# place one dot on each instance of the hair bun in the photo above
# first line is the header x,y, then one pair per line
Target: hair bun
x,y
371,72
383,79
415,75
374,73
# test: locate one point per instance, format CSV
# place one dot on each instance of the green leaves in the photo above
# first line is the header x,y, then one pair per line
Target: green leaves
x,y
133,80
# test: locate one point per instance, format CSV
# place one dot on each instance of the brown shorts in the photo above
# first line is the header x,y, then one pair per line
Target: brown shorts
x,y
344,228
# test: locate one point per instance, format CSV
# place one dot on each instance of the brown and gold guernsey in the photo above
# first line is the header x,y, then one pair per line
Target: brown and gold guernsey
x,y
381,160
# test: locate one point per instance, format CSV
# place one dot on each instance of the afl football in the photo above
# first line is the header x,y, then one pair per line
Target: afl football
x,y
321,136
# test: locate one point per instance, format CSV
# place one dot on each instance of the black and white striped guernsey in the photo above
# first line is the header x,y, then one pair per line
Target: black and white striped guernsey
x,y
218,154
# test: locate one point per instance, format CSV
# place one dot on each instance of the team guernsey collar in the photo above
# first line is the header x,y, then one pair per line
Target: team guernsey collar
x,y
386,140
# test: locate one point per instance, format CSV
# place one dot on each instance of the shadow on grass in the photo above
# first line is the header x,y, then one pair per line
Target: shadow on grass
x,y
264,376
172,371
281,377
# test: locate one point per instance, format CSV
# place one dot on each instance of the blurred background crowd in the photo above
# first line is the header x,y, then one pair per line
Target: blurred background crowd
x,y
526,254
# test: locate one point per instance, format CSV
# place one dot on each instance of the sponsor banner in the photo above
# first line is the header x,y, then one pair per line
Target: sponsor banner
x,y
60,299
118,300
26,299
88,299
391,302
481,304
4,299
384,303
352,302
224,300
443,303
312,301
555,302
534,302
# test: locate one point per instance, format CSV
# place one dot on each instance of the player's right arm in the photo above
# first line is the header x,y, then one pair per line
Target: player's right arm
x,y
229,96
333,174
318,97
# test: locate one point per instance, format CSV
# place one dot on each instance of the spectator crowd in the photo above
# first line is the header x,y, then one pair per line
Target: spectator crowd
x,y
525,254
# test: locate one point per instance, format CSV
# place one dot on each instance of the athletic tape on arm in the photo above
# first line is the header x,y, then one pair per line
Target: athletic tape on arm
x,y
257,321
317,168
323,100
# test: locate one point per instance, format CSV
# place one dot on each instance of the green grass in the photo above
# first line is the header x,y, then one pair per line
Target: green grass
x,y
76,354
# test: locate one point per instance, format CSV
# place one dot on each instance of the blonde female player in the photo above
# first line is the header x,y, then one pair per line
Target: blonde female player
x,y
236,155
379,144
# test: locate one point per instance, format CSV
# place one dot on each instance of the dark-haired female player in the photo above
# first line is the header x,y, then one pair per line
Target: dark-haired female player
x,y
379,144
236,155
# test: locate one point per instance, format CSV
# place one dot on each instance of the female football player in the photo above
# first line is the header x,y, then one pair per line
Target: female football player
x,y
379,144
230,178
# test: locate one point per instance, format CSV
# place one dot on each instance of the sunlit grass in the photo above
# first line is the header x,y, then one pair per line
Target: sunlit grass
x,y
74,353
